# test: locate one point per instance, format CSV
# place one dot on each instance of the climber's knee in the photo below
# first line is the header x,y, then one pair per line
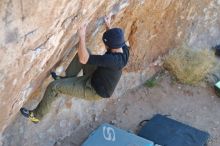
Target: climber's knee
x,y
53,86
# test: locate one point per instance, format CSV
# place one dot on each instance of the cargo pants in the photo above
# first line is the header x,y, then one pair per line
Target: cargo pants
x,y
70,85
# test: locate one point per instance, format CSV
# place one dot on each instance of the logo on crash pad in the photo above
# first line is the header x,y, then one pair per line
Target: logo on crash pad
x,y
108,133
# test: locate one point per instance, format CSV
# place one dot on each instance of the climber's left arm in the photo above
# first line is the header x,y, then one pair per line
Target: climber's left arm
x,y
82,51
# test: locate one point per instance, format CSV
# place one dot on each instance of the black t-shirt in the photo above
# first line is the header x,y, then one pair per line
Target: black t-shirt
x,y
108,72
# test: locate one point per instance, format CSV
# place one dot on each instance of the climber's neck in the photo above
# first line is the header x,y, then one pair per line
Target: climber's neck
x,y
117,50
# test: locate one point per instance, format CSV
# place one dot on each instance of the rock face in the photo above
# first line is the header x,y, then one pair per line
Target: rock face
x,y
37,36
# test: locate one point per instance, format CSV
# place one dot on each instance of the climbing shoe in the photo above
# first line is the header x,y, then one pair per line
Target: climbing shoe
x,y
55,76
29,114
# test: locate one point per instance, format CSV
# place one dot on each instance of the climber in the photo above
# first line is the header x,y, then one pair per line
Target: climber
x,y
101,73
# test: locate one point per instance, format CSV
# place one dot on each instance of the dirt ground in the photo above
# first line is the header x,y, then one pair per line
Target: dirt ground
x,y
195,106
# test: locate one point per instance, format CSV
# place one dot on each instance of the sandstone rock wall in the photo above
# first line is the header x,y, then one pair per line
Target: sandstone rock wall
x,y
38,35
35,36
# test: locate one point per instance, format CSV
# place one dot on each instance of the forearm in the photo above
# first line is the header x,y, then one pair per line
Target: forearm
x,y
107,20
82,51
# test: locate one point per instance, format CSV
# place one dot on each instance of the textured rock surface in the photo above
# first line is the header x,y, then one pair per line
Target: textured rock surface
x,y
38,35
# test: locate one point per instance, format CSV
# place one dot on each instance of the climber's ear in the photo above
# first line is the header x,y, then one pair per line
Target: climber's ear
x,y
127,43
107,48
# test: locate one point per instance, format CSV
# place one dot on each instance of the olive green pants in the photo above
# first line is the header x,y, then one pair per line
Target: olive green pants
x,y
70,85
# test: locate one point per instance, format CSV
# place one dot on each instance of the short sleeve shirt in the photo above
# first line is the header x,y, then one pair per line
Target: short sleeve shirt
x,y
108,72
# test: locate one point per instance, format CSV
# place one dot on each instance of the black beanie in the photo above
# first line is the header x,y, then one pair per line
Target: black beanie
x,y
114,38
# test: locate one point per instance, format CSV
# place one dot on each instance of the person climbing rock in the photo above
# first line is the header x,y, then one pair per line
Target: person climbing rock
x,y
101,73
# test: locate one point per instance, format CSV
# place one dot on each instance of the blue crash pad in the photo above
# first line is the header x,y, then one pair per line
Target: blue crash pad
x,y
108,135
167,132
